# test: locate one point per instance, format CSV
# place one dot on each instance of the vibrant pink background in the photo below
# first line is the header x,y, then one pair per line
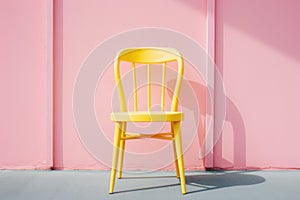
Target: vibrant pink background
x,y
257,53
23,83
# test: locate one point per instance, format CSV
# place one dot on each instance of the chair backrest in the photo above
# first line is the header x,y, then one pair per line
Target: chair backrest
x,y
149,55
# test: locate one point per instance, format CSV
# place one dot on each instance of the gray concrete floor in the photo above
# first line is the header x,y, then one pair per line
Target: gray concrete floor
x,y
86,185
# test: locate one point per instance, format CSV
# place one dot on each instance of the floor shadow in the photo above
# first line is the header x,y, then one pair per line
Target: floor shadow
x,y
205,182
222,180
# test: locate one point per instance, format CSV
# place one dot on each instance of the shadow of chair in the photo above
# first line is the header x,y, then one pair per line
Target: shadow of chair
x,y
205,181
221,179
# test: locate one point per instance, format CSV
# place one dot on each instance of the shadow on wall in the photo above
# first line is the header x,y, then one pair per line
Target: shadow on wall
x,y
233,116
193,98
199,105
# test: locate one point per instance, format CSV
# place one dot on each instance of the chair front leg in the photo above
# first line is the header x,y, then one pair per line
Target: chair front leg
x,y
117,137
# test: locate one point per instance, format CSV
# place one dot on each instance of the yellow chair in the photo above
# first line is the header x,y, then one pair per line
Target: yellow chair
x,y
148,55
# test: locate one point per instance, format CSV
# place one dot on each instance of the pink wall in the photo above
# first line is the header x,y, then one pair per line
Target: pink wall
x,y
258,54
23,85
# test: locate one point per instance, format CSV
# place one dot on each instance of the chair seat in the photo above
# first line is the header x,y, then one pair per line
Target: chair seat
x,y
153,116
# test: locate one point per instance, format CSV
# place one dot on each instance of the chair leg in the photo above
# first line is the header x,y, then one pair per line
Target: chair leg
x,y
178,143
176,160
175,154
121,153
121,158
115,156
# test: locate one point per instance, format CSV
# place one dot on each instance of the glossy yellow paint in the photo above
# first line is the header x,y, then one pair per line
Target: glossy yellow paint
x,y
152,116
148,55
134,88
149,88
163,86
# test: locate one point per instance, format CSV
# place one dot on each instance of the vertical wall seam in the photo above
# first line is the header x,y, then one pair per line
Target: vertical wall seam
x,y
49,71
210,48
